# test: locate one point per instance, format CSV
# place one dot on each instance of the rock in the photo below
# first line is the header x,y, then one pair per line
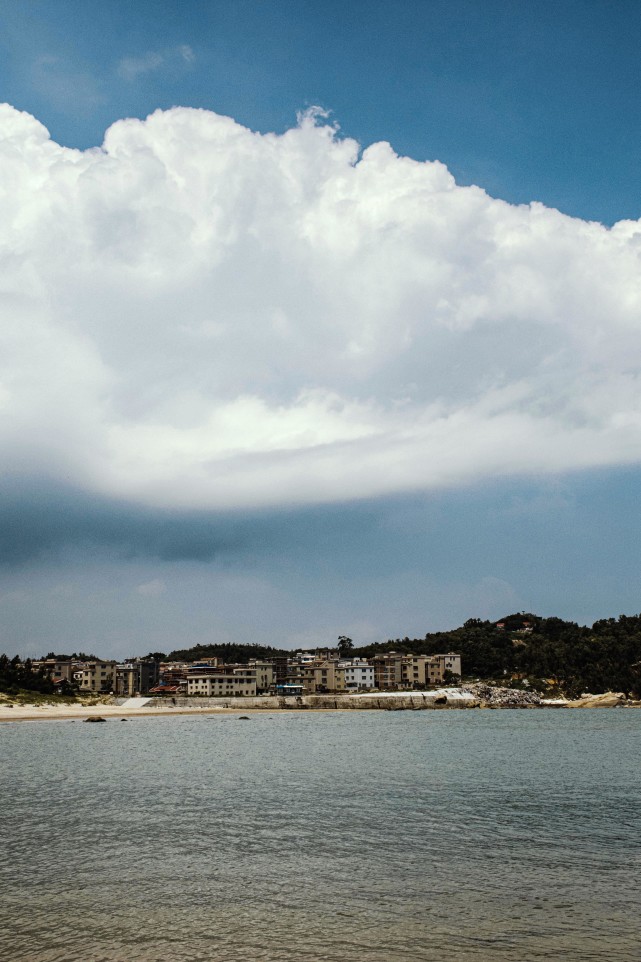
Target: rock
x,y
609,699
491,697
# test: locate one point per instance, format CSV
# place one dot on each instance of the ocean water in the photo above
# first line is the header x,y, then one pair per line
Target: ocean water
x,y
364,836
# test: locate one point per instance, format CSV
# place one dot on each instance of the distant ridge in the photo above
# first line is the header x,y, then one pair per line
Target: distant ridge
x,y
547,652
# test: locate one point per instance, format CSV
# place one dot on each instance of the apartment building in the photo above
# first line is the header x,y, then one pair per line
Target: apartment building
x,y
265,675
328,676
302,658
439,664
96,675
57,669
359,674
326,654
136,677
399,671
388,670
227,684
414,671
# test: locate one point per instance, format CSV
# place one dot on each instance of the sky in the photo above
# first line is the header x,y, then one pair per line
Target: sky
x,y
316,319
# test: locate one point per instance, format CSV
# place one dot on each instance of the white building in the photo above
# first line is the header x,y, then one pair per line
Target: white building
x,y
358,673
224,685
302,658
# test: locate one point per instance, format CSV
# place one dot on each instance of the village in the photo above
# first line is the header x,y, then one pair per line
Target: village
x,y
307,672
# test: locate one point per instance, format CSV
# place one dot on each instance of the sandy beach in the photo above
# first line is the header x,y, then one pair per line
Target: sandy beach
x,y
20,713
80,712
142,707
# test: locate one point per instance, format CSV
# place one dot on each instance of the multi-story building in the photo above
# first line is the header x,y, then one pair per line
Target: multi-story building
x,y
173,673
326,654
227,684
359,673
136,677
328,676
280,664
205,667
265,675
414,671
95,675
302,658
439,664
61,669
398,671
388,670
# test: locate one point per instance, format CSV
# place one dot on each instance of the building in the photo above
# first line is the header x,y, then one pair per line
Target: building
x,y
265,675
58,669
326,654
302,658
395,671
136,677
388,670
414,671
328,676
439,664
359,673
96,676
223,685
173,673
289,690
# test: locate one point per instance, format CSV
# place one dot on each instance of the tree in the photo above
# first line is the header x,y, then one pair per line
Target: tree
x,y
345,646
451,679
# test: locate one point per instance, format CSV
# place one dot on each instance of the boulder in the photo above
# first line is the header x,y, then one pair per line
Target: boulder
x,y
491,697
609,699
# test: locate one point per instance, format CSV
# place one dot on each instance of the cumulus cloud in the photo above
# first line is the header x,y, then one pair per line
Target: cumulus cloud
x,y
197,315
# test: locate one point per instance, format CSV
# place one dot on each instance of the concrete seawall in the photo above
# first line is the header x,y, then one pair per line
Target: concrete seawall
x,y
389,701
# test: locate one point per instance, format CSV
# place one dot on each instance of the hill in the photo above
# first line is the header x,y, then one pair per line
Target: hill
x,y
549,652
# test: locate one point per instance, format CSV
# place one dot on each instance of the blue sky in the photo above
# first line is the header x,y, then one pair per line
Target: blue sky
x,y
274,417
536,101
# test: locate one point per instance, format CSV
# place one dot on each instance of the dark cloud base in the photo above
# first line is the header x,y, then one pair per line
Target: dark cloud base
x,y
72,564
578,523
37,522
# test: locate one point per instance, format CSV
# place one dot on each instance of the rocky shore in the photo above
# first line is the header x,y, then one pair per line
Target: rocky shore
x,y
488,696
470,696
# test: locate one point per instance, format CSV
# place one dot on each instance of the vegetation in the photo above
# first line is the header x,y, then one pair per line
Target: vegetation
x,y
18,676
521,649
547,652
345,646
229,653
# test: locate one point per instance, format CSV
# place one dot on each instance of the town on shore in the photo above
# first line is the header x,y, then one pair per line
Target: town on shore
x,y
547,657
319,671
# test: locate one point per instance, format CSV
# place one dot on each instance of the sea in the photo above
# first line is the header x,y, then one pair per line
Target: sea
x,y
360,836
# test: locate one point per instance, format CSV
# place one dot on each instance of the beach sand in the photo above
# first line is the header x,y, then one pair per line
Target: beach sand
x,y
116,712
108,712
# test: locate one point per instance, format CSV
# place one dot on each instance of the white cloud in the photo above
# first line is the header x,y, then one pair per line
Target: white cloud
x,y
152,589
186,53
202,316
131,68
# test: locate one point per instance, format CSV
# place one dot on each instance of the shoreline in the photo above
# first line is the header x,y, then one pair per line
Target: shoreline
x,y
111,711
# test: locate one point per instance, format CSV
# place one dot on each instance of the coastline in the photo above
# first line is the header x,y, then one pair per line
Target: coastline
x,y
390,701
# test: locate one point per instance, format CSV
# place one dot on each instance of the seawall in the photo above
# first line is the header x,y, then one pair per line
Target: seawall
x,y
389,701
